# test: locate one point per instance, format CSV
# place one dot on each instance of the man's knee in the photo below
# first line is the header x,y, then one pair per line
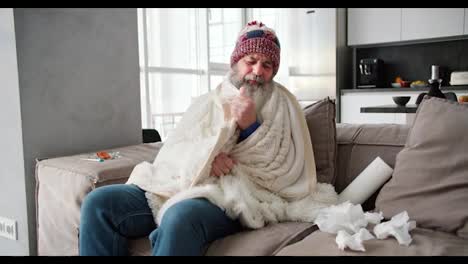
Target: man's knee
x,y
96,201
185,214
184,220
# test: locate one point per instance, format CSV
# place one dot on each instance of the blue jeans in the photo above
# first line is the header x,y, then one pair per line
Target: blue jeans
x,y
113,214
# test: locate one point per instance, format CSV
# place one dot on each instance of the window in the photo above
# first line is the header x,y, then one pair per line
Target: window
x,y
184,53
173,71
224,24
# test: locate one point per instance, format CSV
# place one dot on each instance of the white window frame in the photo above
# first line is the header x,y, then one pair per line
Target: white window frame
x,y
146,70
216,68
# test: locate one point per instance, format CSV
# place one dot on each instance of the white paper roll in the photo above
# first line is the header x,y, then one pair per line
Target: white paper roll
x,y
366,183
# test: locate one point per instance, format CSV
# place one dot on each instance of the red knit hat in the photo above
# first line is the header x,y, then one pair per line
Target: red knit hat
x,y
257,38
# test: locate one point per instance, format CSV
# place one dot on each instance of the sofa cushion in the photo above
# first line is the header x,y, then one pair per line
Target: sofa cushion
x,y
425,242
430,177
320,117
266,241
360,144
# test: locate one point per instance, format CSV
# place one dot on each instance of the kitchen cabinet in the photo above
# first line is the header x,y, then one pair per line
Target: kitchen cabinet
x,y
382,25
351,108
425,23
351,103
373,25
466,22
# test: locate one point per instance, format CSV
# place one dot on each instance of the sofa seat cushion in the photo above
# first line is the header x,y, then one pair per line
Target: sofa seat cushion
x,y
266,241
426,242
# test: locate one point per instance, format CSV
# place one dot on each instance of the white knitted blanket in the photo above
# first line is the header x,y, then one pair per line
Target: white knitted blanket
x,y
274,179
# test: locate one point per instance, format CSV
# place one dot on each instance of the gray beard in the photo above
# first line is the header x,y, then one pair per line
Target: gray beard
x,y
260,93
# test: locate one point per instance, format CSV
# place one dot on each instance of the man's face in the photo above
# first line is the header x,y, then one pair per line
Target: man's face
x,y
255,69
254,72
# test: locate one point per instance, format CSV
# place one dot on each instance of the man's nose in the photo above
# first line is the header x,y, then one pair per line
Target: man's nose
x,y
257,69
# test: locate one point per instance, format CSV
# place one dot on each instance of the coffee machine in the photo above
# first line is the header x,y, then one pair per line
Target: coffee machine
x,y
370,73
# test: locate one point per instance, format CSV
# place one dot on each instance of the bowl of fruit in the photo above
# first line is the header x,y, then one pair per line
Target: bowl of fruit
x,y
463,99
418,84
399,82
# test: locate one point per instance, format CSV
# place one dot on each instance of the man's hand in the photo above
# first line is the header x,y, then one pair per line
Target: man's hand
x,y
243,110
222,165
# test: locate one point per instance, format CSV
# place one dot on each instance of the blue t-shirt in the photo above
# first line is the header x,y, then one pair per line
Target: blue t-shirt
x,y
248,131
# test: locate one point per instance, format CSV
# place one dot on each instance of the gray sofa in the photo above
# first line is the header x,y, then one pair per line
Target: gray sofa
x,y
63,182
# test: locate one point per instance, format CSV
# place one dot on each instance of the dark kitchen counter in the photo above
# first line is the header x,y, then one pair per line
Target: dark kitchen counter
x,y
390,109
425,89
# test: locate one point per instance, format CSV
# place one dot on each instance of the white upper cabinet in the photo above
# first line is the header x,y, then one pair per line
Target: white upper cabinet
x,y
466,21
373,25
424,23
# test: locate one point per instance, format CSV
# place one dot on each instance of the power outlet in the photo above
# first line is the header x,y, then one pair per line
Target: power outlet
x,y
8,228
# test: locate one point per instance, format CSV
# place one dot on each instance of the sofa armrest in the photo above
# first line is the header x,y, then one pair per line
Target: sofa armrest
x,y
63,182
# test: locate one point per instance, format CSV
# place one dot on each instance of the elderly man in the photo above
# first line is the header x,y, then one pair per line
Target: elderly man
x,y
241,157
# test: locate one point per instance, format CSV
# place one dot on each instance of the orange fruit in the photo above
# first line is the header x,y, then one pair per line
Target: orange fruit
x,y
103,155
463,99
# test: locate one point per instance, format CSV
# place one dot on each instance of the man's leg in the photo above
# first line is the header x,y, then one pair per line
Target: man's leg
x,y
189,226
109,216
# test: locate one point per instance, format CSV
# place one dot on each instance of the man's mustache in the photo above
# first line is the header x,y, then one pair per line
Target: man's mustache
x,y
252,77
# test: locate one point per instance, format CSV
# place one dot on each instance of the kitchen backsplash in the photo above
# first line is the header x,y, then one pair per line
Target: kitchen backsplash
x,y
413,61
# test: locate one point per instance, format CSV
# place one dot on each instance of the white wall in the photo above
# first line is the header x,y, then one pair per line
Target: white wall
x,y
12,175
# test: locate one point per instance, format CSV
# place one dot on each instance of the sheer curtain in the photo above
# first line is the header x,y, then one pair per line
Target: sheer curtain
x,y
224,25
173,63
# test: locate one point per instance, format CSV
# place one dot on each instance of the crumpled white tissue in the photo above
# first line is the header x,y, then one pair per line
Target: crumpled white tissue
x,y
348,221
354,242
398,227
344,216
373,218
